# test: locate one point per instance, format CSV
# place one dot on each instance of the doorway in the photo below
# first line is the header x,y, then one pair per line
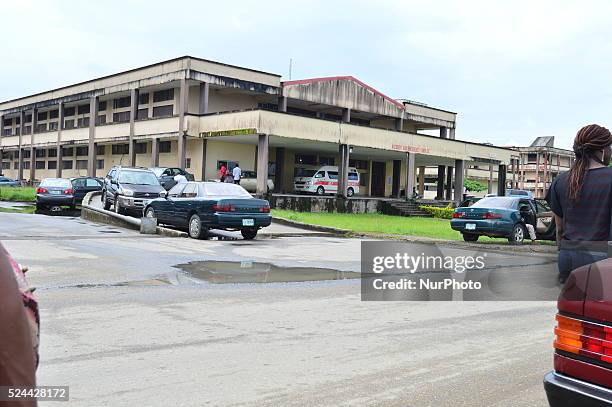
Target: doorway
x,y
378,178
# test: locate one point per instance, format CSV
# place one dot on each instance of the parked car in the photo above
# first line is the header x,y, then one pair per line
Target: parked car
x,y
130,189
248,181
200,206
469,201
582,373
324,181
53,192
519,192
8,182
166,175
503,216
83,185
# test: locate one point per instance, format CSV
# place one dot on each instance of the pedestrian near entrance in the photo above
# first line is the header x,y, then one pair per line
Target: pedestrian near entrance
x,y
237,173
581,200
222,172
180,179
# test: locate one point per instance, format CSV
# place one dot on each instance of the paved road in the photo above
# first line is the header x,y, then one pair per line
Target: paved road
x,y
122,326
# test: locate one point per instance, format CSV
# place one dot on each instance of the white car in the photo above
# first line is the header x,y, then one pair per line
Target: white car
x,y
324,181
248,181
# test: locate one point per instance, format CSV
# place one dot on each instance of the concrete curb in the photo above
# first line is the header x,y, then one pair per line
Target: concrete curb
x,y
530,248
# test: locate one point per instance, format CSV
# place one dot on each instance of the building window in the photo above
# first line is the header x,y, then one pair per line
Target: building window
x,y
81,164
102,105
28,118
53,114
100,150
41,127
83,122
40,153
17,119
532,158
6,165
121,102
69,124
143,114
165,147
163,95
307,159
140,148
359,164
26,165
102,119
52,152
8,122
143,99
41,116
69,111
82,151
326,160
27,129
67,152
187,162
118,149
52,165
53,126
99,164
121,117
40,165
26,153
83,109
7,132
166,110
16,165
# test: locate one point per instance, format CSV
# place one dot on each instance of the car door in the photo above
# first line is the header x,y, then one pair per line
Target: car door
x,y
78,185
111,188
167,178
184,203
166,208
545,221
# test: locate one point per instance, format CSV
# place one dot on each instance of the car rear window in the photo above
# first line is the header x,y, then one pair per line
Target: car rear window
x,y
223,189
56,182
495,202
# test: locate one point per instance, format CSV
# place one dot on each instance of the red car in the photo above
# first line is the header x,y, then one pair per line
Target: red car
x,y
583,340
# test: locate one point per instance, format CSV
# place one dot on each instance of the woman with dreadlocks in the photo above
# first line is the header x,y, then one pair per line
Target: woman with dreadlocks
x,y
581,200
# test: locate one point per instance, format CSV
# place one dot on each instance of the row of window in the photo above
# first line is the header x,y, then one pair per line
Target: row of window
x,y
52,165
117,149
313,159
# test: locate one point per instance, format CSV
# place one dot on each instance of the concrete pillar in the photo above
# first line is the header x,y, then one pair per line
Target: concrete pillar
x,y
204,93
22,116
346,115
280,165
410,171
262,164
134,93
501,180
514,169
490,182
443,132
422,181
343,149
282,104
155,152
459,180
449,183
203,166
60,126
91,153
32,149
440,183
397,175
537,175
183,99
451,133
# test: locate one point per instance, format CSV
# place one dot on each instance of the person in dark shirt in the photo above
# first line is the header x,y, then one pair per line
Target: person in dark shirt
x,y
581,200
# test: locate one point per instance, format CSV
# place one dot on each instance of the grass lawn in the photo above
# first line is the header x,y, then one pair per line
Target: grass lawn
x,y
22,194
384,224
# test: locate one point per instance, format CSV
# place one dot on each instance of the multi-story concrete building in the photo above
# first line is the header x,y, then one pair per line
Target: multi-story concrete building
x,y
199,114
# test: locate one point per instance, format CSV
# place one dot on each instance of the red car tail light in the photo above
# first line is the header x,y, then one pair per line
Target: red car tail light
x,y
458,215
491,215
223,208
40,190
68,191
584,338
264,209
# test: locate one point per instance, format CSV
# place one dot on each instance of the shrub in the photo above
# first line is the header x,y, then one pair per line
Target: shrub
x,y
437,212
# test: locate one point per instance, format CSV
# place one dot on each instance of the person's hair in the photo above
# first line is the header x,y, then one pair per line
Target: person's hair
x,y
589,140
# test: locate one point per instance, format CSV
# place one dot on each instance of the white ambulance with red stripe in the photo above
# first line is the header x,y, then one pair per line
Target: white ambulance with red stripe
x,y
324,181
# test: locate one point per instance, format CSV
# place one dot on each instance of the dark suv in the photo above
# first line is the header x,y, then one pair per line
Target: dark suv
x,y
129,189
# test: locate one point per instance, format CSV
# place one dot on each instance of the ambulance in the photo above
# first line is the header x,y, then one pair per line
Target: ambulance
x,y
324,181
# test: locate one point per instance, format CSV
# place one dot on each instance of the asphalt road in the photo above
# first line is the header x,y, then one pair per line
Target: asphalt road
x,y
123,326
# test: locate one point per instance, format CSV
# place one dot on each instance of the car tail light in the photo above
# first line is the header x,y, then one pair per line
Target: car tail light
x,y
40,190
68,191
584,338
491,215
264,209
458,215
223,208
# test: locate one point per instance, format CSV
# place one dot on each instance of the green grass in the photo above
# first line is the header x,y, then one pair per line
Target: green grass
x,y
21,194
383,224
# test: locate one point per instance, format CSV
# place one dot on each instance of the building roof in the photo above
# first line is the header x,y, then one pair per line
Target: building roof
x,y
546,141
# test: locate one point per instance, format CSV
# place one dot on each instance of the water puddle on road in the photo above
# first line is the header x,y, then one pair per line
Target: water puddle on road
x,y
28,209
244,272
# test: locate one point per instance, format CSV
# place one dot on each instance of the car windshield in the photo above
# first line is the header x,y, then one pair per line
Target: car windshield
x,y
56,182
223,189
138,177
495,202
302,172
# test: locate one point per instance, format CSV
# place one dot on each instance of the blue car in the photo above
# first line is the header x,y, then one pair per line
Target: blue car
x,y
505,216
200,206
7,182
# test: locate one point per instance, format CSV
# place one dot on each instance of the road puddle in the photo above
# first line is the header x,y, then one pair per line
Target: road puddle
x,y
244,272
28,209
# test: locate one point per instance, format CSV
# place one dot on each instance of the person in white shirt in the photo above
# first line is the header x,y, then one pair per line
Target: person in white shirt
x,y
236,173
180,179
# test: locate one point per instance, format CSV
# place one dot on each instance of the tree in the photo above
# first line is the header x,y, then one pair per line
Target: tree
x,y
474,186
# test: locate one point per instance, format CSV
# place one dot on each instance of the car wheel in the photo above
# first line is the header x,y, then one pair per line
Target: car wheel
x,y
118,208
350,192
150,213
518,234
248,234
320,191
196,229
470,237
106,202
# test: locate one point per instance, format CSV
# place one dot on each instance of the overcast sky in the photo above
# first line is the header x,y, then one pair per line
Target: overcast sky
x,y
512,70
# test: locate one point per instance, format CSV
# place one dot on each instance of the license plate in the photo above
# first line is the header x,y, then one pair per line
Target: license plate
x,y
470,226
248,222
55,192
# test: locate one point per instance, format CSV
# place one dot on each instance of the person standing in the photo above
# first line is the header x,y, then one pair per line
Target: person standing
x,y
581,200
237,173
222,172
180,179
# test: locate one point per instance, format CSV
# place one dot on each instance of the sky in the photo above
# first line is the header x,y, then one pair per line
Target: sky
x,y
512,71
